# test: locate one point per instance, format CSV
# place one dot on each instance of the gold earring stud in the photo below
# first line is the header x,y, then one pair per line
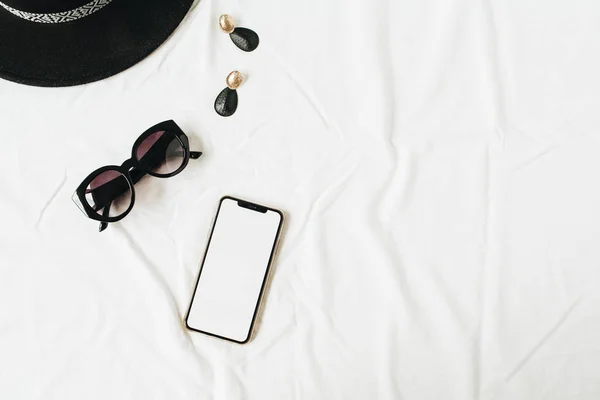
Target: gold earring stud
x,y
234,80
226,23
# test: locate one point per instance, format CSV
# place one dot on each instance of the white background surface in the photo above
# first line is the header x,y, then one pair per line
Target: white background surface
x,y
439,162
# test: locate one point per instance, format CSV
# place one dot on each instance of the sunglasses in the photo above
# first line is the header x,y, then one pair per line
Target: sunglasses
x,y
107,194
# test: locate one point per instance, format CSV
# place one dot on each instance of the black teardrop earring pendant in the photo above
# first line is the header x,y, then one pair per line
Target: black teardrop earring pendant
x,y
244,38
227,101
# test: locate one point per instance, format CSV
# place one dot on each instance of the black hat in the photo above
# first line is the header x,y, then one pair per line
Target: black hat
x,y
72,42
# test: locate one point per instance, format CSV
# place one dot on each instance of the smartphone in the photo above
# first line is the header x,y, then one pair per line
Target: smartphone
x,y
234,271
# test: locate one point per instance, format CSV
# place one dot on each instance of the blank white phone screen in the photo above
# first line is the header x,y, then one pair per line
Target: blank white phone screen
x,y
234,270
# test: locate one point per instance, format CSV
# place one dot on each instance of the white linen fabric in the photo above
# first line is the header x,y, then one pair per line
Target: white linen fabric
x,y
438,163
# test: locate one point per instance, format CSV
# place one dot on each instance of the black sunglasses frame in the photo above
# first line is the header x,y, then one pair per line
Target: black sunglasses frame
x,y
134,171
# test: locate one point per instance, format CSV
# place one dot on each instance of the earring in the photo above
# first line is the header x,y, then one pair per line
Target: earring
x,y
227,101
244,38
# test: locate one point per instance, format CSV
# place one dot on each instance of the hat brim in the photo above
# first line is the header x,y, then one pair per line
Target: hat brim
x,y
92,48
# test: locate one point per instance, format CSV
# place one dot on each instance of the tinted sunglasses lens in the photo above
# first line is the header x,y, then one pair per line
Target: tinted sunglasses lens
x,y
109,194
161,153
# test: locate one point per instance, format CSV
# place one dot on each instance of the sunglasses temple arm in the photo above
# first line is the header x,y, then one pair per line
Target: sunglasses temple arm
x,y
194,155
136,175
105,214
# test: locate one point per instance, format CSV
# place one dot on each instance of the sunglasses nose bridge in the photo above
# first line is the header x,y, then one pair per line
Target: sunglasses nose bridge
x,y
127,165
